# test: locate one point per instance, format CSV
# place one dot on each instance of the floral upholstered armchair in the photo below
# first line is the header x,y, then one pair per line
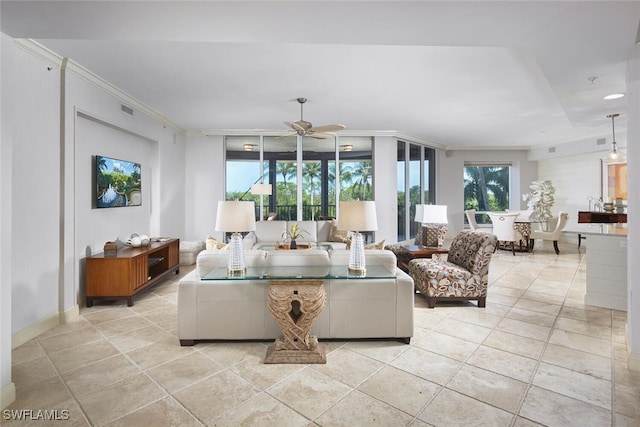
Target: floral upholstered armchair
x,y
464,275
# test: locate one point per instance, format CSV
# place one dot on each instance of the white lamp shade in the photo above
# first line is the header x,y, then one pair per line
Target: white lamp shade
x,y
235,216
359,215
431,214
261,189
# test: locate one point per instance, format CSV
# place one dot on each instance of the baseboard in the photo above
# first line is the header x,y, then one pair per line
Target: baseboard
x,y
633,359
44,325
69,314
7,395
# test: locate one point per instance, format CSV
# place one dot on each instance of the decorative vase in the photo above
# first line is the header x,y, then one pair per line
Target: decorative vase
x,y
293,245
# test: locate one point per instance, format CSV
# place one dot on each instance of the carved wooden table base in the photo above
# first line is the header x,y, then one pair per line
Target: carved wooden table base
x,y
295,305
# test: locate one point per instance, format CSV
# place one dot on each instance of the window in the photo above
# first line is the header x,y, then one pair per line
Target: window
x,y
416,184
356,169
486,189
302,171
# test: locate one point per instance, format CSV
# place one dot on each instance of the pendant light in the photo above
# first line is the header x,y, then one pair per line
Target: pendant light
x,y
614,155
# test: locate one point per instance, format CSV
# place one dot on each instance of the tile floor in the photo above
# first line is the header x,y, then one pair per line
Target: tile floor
x,y
536,355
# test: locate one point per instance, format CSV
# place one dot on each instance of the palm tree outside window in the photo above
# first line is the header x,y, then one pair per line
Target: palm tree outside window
x,y
486,189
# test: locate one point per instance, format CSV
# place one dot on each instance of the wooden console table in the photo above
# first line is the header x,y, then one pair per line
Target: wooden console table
x,y
601,217
130,271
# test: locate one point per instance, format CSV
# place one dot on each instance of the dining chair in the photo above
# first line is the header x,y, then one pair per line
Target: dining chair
x,y
471,218
551,235
503,228
473,224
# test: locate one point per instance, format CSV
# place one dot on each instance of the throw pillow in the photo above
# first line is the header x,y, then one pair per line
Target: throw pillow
x,y
215,245
421,236
338,235
376,245
433,233
428,234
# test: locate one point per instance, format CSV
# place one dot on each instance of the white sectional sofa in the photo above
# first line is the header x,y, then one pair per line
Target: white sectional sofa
x,y
237,309
270,232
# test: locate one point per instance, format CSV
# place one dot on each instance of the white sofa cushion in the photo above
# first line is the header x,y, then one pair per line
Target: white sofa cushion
x,y
381,257
270,231
308,230
323,228
302,257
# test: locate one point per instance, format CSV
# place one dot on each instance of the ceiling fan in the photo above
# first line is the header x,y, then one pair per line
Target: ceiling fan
x,y
304,128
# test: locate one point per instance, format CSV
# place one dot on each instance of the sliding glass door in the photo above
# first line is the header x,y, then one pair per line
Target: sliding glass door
x,y
416,184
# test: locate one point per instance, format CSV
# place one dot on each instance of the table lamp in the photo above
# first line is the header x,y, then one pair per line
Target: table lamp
x,y
434,219
236,216
357,216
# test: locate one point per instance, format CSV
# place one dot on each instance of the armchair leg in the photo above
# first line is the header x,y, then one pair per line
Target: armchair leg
x,y
531,244
482,302
431,301
555,246
513,248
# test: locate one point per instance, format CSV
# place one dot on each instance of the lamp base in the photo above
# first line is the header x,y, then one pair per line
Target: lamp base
x,y
358,271
236,255
357,263
236,272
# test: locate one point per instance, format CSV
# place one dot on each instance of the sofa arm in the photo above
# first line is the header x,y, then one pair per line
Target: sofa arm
x,y
405,299
210,259
187,308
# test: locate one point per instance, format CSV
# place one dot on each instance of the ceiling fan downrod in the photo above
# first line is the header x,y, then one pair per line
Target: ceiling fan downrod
x,y
301,101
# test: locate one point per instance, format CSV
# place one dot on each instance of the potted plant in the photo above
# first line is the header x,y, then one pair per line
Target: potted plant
x,y
540,199
294,233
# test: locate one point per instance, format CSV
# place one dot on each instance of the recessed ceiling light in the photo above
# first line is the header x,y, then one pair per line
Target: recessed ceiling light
x,y
248,147
614,96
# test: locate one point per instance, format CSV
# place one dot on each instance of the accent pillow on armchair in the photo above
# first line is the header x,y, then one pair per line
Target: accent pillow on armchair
x,y
431,234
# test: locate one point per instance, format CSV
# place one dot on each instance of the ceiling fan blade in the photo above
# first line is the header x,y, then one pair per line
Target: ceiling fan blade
x,y
287,135
321,135
328,128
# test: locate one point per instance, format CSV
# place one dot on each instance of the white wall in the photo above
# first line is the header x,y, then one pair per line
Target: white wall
x,y
204,185
385,185
36,189
575,178
96,226
450,179
7,387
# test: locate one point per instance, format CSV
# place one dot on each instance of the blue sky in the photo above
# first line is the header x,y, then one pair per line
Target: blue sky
x,y
120,164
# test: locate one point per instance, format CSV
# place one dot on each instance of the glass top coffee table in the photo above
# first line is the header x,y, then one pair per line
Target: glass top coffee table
x,y
299,272
285,246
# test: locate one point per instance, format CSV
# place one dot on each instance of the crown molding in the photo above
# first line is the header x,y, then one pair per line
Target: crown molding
x,y
39,51
273,132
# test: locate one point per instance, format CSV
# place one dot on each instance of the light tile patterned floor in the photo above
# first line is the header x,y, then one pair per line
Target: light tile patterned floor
x,y
536,355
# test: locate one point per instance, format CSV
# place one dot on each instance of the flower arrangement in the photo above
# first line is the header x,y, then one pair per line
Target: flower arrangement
x,y
294,233
540,199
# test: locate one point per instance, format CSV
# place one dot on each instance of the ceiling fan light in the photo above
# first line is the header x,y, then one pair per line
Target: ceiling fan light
x,y
614,96
614,155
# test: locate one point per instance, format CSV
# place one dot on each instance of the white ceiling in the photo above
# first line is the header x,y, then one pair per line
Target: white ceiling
x,y
462,74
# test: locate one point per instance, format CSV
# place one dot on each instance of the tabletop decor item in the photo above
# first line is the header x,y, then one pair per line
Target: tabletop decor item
x,y
540,199
294,233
